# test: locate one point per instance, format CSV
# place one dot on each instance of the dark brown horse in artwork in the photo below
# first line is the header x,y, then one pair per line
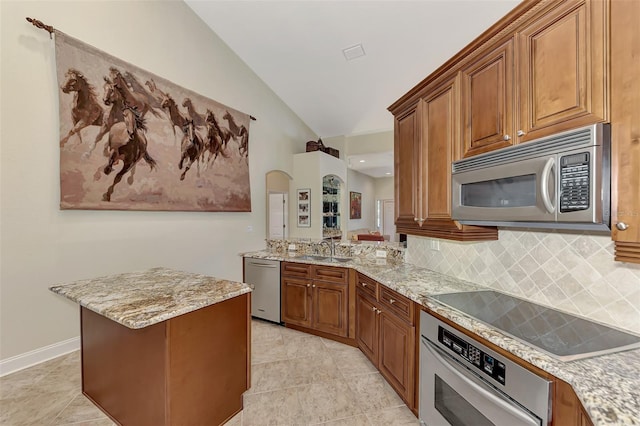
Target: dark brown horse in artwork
x,y
86,110
175,116
238,132
191,148
215,141
127,143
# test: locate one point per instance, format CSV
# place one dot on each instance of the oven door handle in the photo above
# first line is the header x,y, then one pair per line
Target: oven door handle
x,y
487,394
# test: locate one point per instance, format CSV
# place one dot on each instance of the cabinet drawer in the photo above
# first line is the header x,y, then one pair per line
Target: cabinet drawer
x,y
368,286
300,270
397,303
330,273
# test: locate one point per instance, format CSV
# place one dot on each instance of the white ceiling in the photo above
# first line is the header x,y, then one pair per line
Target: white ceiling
x,y
295,47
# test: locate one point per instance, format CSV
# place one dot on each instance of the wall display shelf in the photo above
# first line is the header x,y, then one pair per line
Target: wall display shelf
x,y
330,205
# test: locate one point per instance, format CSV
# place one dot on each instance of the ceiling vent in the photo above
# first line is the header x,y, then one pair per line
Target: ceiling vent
x,y
353,52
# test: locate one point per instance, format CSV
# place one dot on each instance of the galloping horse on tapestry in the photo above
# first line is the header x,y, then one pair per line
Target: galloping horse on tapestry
x,y
238,132
127,142
86,111
191,147
215,138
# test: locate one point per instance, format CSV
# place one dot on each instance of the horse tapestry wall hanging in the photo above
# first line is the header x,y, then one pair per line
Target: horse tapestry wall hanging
x,y
175,149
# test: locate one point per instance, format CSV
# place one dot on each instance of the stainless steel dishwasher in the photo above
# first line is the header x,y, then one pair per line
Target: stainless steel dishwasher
x,y
264,275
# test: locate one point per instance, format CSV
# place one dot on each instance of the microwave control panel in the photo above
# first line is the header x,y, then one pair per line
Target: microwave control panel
x,y
482,362
574,182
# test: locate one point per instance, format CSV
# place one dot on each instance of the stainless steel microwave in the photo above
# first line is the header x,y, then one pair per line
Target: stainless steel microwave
x,y
561,181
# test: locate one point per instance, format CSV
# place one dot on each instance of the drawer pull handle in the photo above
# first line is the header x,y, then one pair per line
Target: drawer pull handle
x,y
308,285
373,309
392,301
364,284
378,311
314,286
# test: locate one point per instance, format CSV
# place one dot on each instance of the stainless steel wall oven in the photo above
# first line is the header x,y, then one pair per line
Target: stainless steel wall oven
x,y
464,383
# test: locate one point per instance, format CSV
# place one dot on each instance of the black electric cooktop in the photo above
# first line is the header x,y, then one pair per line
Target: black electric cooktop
x,y
563,336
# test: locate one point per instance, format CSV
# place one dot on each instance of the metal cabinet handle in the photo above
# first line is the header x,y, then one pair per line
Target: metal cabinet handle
x,y
622,226
373,308
364,284
392,301
520,133
378,311
308,285
506,137
314,286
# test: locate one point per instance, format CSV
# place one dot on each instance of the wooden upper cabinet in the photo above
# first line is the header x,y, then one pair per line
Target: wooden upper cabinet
x,y
440,133
625,130
406,151
562,58
487,100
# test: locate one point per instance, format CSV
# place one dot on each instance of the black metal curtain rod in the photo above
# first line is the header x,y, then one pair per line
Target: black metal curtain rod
x,y
48,28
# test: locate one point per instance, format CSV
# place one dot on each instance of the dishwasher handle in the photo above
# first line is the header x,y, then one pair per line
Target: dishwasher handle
x,y
262,265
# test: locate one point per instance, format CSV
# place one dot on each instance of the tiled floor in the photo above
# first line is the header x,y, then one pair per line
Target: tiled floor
x,y
297,379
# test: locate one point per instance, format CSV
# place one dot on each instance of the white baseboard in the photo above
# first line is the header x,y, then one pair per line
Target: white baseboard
x,y
36,356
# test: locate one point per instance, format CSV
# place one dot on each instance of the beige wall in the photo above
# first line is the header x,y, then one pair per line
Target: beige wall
x,y
573,272
42,245
384,188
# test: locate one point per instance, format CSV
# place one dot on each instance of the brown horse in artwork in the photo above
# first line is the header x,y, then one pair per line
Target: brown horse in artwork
x,y
191,148
86,110
142,101
127,143
114,100
215,141
192,114
238,132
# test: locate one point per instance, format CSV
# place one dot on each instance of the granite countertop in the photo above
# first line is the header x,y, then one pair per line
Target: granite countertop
x,y
608,386
140,299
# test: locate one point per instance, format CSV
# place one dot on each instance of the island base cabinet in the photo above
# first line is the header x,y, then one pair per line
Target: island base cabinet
x,y
188,370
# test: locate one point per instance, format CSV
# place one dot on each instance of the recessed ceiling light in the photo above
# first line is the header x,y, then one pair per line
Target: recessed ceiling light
x,y
353,52
362,161
388,173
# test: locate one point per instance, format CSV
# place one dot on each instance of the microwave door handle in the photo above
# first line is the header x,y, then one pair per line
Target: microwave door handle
x,y
478,389
544,185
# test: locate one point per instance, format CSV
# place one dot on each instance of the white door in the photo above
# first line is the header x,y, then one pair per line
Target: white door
x,y
388,221
278,215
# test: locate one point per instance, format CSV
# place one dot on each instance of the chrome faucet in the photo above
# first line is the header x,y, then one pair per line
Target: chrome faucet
x,y
331,246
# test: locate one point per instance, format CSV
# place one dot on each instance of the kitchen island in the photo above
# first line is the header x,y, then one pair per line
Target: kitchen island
x,y
164,347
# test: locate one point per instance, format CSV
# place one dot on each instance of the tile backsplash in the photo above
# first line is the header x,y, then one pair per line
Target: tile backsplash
x,y
572,272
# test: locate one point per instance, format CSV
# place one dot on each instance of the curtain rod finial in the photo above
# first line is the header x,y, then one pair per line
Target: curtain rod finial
x,y
39,24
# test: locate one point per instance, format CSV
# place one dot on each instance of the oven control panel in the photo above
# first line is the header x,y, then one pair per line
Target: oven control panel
x,y
482,362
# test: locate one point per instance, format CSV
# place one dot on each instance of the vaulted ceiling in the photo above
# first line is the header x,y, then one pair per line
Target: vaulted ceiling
x,y
296,48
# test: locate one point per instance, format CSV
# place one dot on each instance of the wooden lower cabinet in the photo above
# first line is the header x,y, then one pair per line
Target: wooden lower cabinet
x,y
329,309
389,343
316,304
296,301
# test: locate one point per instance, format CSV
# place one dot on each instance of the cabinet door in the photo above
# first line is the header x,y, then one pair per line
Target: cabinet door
x,y
397,353
440,133
296,301
330,302
487,101
406,152
563,69
625,130
367,326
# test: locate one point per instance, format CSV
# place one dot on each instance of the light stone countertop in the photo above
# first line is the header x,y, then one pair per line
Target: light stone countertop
x,y
608,385
143,298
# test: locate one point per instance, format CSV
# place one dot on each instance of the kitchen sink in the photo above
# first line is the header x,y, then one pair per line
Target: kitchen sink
x,y
324,258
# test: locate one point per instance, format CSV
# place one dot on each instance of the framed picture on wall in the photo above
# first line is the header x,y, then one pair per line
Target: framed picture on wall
x,y
355,205
304,208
